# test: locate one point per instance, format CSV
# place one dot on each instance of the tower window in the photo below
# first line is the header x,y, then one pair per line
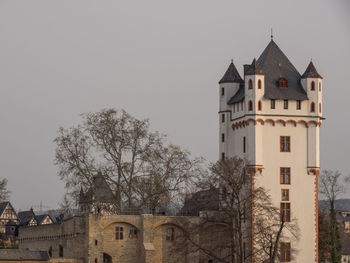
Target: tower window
x,y
285,212
285,194
222,117
250,105
283,83
222,91
242,105
170,234
285,104
259,106
250,84
319,86
298,104
259,84
223,137
222,156
313,85
119,233
244,144
273,104
285,143
319,107
312,107
285,252
285,175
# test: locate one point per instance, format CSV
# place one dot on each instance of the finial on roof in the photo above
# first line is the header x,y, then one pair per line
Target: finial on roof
x,y
231,60
271,33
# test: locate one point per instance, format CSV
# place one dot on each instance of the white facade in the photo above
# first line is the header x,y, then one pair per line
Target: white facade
x,y
255,134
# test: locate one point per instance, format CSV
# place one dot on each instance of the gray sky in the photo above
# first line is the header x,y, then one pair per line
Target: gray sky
x,y
156,59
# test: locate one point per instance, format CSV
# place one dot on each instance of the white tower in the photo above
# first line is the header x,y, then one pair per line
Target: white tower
x,y
272,118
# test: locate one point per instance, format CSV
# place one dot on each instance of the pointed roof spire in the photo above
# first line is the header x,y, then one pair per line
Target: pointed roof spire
x,y
231,75
311,72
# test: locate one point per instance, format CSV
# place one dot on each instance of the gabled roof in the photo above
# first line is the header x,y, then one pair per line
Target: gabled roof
x,y
311,72
231,75
26,216
39,218
275,65
3,206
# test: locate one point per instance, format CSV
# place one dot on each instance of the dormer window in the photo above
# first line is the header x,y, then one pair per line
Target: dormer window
x,y
283,83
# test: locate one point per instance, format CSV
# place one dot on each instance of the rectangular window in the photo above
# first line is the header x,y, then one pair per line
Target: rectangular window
x,y
244,144
119,233
285,195
222,156
222,117
222,91
298,104
285,212
285,252
223,137
285,104
285,175
273,104
285,144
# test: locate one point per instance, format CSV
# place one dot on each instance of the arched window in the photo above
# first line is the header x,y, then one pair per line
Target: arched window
x,y
259,106
259,84
319,107
283,83
313,85
312,108
250,105
319,86
250,85
170,234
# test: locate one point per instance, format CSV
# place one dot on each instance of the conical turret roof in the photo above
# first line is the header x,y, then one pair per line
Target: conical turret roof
x,y
254,69
311,72
231,75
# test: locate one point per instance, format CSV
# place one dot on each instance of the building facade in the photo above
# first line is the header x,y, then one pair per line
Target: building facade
x,y
272,117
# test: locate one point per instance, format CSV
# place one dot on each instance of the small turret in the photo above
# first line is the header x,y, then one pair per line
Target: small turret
x,y
311,81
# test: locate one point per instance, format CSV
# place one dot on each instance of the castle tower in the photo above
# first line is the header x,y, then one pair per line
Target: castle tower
x,y
272,118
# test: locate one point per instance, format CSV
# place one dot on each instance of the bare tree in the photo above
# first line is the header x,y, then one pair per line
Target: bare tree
x,y
246,222
140,166
330,187
4,193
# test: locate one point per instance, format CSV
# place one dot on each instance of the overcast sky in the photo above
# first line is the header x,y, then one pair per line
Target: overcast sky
x,y
156,59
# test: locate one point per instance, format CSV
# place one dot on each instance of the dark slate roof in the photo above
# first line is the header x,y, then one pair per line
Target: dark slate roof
x,y
39,218
25,217
311,72
98,192
3,206
22,255
231,75
239,96
275,65
201,201
254,69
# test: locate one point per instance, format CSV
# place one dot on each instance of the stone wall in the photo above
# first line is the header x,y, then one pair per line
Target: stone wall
x,y
71,235
118,238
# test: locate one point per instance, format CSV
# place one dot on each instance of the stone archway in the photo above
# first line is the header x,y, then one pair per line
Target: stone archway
x,y
107,258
